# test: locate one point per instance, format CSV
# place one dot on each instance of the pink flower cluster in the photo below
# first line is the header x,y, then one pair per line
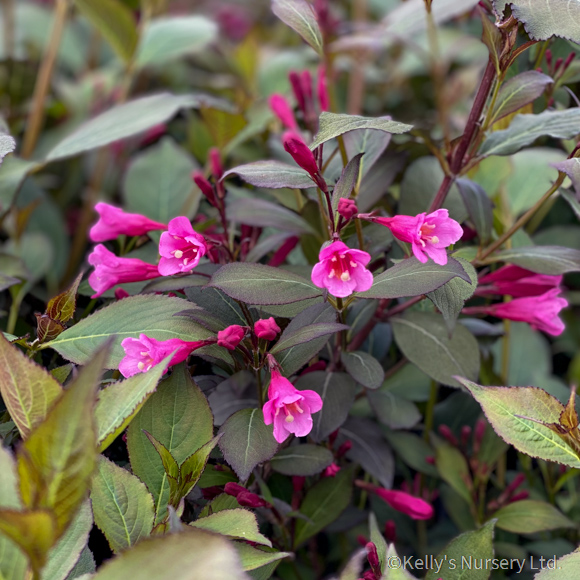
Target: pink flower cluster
x,y
180,248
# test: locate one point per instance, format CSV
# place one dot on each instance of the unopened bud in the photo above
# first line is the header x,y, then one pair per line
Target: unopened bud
x,y
347,208
249,499
549,57
280,107
480,428
296,83
205,186
294,144
322,89
447,434
520,496
234,489
121,293
215,163
344,448
298,482
558,64
373,558
465,435
390,531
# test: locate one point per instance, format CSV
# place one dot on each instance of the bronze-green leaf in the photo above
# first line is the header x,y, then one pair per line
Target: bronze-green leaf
x,y
27,389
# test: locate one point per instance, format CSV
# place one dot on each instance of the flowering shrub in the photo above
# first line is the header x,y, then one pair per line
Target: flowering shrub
x,y
313,319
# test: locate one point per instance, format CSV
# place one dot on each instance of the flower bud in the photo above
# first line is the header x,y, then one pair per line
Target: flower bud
x,y
373,558
231,336
266,328
249,499
347,208
294,144
281,108
390,531
447,434
205,186
215,163
234,489
296,83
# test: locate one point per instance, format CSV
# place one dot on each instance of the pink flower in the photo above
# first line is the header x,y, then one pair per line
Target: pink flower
x,y
415,507
266,328
113,222
111,270
515,281
428,235
144,353
180,247
323,98
283,111
341,270
540,312
347,208
331,470
294,144
231,336
289,409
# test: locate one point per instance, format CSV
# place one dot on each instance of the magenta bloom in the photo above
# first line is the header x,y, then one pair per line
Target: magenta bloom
x,y
516,281
113,222
111,270
266,328
231,336
428,235
540,312
331,470
322,90
294,144
415,507
280,107
289,409
347,208
180,247
144,353
341,270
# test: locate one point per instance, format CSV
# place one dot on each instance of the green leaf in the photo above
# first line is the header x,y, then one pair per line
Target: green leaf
x,y
337,391
553,260
451,297
222,502
247,441
413,450
530,516
191,469
123,507
424,340
62,307
519,91
63,557
348,180
301,17
28,391
363,368
307,334
323,503
239,524
412,278
188,555
56,462
262,213
471,546
392,410
158,183
479,207
13,562
123,319
369,449
566,568
262,285
571,200
12,173
254,558
543,19
378,540
517,414
114,21
525,129
171,38
272,174
120,402
453,468
297,356
301,460
178,416
398,571
124,121
571,167
332,125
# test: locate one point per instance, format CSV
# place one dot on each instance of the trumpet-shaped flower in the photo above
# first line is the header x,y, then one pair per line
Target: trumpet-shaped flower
x,y
341,270
180,247
289,409
111,270
113,222
144,353
540,312
515,281
428,234
415,507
